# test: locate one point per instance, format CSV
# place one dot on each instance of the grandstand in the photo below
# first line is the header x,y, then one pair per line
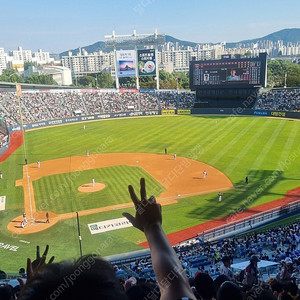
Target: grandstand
x,y
178,133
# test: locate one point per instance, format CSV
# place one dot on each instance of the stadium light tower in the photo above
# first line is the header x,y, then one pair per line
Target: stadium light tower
x,y
136,41
285,77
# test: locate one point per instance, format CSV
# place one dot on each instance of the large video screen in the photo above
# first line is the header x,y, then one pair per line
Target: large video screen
x,y
242,72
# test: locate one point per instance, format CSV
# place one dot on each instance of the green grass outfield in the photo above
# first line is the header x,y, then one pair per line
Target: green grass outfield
x,y
237,146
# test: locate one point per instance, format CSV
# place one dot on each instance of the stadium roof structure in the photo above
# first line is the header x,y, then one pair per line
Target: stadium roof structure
x,y
134,40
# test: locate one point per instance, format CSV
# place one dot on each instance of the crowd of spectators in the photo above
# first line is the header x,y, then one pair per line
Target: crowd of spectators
x,y
48,106
3,140
208,267
281,100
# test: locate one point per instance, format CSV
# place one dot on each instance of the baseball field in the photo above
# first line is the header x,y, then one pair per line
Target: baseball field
x,y
124,150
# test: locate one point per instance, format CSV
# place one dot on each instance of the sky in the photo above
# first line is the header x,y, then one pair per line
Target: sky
x,y
59,25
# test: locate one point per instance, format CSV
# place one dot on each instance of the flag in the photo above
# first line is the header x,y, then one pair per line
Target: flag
x,y
19,90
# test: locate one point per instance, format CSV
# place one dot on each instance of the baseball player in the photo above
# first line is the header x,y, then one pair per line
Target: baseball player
x,y
220,196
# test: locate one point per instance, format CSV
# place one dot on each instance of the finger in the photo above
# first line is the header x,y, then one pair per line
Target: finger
x,y
46,250
143,189
130,218
41,263
29,268
152,200
133,196
38,256
21,282
51,260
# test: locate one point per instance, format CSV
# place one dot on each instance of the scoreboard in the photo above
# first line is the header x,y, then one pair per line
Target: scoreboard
x,y
229,73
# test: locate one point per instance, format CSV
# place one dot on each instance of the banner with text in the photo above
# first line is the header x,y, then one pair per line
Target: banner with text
x,y
146,62
126,63
109,225
183,111
168,112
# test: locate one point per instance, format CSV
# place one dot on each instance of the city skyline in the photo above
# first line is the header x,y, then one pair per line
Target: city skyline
x,y
59,26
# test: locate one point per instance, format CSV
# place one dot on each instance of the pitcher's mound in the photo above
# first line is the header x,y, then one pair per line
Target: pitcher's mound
x,y
89,188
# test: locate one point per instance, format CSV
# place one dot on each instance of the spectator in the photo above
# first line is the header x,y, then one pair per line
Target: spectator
x,y
251,272
229,291
225,269
286,271
204,286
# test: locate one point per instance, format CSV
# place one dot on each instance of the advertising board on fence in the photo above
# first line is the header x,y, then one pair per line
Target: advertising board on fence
x,y
183,111
168,112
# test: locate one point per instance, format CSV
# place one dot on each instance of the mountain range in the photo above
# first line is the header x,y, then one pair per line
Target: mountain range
x,y
289,35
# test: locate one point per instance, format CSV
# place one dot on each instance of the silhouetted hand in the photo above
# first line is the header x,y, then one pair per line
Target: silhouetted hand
x,y
39,263
148,212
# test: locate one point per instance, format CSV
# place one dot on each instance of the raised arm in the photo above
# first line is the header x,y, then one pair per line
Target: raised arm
x,y
171,277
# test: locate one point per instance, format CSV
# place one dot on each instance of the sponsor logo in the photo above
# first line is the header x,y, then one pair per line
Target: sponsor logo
x,y
55,122
109,225
38,124
88,118
120,115
277,113
260,113
103,116
151,112
129,91
183,111
71,120
18,128
168,112
137,113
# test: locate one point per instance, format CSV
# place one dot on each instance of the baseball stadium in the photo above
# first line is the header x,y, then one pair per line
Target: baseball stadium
x,y
116,153
218,165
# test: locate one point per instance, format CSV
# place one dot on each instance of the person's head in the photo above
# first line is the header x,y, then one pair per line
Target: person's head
x,y
2,275
292,289
6,292
219,280
254,260
130,282
226,261
22,272
284,296
90,277
229,291
288,260
144,290
276,286
233,72
204,285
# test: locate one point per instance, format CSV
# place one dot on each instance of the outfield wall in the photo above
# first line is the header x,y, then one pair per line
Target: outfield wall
x,y
232,112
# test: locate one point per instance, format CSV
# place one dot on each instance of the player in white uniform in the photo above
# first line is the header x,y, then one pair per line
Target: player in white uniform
x,y
220,196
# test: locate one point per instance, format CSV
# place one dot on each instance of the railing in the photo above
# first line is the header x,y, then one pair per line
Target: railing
x,y
250,222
